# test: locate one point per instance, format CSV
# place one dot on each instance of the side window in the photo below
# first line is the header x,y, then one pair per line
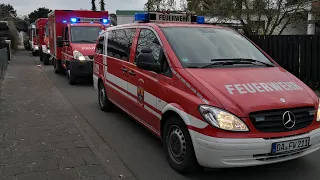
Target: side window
x,y
63,33
147,39
119,43
100,45
67,34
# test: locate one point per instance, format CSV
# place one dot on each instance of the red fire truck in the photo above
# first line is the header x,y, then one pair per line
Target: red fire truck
x,y
33,39
46,47
40,29
73,34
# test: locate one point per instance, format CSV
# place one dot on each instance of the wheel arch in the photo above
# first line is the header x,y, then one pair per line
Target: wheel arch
x,y
170,110
174,109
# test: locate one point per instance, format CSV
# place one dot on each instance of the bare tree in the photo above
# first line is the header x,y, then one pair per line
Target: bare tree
x,y
160,5
266,16
93,5
102,5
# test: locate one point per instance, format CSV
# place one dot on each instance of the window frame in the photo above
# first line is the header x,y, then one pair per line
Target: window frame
x,y
169,71
113,32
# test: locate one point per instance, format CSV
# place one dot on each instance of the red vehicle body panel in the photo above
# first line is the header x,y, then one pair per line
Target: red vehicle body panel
x,y
178,94
56,24
40,26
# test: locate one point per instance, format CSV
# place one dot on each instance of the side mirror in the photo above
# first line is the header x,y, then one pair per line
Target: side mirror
x,y
61,42
146,61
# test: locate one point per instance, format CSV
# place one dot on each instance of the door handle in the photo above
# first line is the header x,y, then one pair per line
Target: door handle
x,y
124,69
132,73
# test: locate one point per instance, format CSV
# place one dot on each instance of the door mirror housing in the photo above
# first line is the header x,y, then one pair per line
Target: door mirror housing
x,y
61,42
146,61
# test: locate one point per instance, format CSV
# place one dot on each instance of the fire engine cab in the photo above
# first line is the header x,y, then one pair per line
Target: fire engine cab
x,y
46,46
40,29
33,39
73,34
213,97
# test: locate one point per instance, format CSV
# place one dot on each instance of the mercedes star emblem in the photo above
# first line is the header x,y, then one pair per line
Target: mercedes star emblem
x,y
288,120
282,100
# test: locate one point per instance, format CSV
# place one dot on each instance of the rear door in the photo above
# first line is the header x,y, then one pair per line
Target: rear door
x,y
116,75
146,82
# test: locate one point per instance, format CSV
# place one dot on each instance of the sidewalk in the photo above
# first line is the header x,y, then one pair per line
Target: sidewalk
x,y
38,140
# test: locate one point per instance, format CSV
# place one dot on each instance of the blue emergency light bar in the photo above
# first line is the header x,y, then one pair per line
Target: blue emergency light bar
x,y
163,17
87,20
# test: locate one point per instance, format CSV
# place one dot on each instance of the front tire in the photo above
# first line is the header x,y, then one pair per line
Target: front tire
x,y
41,55
104,103
72,80
55,68
178,146
34,53
45,59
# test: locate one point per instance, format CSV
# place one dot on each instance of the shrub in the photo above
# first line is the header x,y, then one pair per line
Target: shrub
x,y
14,35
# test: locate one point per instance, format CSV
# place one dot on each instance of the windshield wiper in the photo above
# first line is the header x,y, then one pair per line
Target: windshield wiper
x,y
242,61
86,41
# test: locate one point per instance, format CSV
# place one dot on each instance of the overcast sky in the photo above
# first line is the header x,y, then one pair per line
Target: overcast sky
x,y
24,7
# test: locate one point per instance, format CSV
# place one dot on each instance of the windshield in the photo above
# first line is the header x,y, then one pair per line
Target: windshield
x,y
84,34
198,46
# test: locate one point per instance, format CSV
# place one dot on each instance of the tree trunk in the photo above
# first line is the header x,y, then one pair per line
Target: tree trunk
x,y
102,5
93,3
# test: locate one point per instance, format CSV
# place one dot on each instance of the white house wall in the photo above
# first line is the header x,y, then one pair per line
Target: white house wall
x,y
124,19
297,28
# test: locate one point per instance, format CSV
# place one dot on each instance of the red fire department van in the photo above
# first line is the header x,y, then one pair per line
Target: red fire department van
x,y
40,29
33,45
73,34
213,97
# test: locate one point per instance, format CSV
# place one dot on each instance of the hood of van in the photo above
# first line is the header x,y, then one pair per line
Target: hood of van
x,y
84,49
246,90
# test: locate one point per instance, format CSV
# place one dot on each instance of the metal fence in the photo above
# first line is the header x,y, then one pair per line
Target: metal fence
x,y
3,61
299,54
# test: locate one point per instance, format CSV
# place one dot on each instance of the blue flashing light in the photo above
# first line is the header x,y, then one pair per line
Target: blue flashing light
x,y
200,20
105,21
64,21
73,20
141,17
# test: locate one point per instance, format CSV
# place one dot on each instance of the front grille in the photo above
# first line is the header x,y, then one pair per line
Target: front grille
x,y
91,56
271,121
270,157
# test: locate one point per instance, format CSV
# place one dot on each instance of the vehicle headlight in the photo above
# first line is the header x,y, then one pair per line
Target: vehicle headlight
x,y
318,112
77,55
48,50
222,119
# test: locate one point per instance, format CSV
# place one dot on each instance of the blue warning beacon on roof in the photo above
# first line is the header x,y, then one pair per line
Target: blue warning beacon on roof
x,y
168,17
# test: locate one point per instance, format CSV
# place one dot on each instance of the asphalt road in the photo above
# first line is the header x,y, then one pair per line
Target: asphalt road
x,y
143,154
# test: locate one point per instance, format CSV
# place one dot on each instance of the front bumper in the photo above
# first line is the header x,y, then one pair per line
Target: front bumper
x,y
81,68
223,153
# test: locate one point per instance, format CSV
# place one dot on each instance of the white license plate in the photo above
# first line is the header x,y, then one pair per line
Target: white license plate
x,y
292,145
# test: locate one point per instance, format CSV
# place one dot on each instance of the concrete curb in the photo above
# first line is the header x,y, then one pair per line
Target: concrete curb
x,y
110,161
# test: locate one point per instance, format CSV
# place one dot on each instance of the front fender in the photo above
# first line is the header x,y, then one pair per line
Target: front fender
x,y
188,119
